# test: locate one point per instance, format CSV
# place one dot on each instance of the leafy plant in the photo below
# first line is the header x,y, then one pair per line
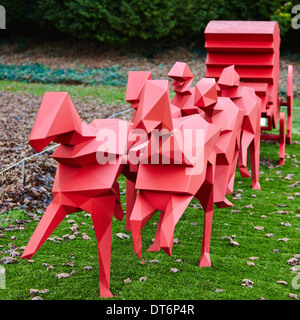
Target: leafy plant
x,y
39,73
118,23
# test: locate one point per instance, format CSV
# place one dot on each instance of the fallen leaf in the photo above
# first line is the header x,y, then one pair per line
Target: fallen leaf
x,y
226,238
269,235
8,260
127,280
142,278
232,242
87,268
293,261
287,224
74,227
289,176
85,236
283,239
62,275
33,292
259,228
174,270
247,283
293,296
219,290
282,282
293,269
154,261
122,235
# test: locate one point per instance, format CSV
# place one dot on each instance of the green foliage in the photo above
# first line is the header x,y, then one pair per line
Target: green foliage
x,y
283,16
247,9
110,22
43,74
136,21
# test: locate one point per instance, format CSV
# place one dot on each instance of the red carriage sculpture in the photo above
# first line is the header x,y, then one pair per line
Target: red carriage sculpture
x,y
253,47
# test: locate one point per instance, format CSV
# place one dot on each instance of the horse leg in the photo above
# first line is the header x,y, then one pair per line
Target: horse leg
x,y
156,245
142,211
101,210
174,210
246,140
52,217
254,161
130,200
205,195
221,181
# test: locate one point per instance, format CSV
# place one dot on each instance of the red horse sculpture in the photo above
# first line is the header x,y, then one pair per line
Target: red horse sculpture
x,y
81,183
166,185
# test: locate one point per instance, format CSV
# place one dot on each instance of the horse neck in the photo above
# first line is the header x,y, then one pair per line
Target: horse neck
x,y
76,136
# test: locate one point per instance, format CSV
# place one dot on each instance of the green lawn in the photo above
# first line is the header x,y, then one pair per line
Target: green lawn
x,y
190,282
108,94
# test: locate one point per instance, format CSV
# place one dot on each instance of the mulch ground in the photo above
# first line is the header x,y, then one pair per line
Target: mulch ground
x,y
78,55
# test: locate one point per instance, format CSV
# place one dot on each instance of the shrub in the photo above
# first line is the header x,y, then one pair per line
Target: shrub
x,y
140,21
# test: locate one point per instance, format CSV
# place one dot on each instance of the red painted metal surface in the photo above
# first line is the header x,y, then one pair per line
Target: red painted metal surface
x,y
81,183
253,47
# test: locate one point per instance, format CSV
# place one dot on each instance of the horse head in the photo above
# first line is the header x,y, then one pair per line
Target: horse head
x,y
57,120
154,110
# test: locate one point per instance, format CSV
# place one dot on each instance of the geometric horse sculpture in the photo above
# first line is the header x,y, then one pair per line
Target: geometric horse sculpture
x,y
81,183
229,117
253,47
173,168
202,100
246,99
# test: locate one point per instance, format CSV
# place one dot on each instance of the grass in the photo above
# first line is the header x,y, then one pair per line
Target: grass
x,y
109,94
191,282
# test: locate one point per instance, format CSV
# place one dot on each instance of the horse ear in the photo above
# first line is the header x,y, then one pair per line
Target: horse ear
x,y
154,110
66,118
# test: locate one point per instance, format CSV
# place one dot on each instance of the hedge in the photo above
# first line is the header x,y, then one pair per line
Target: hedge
x,y
122,22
